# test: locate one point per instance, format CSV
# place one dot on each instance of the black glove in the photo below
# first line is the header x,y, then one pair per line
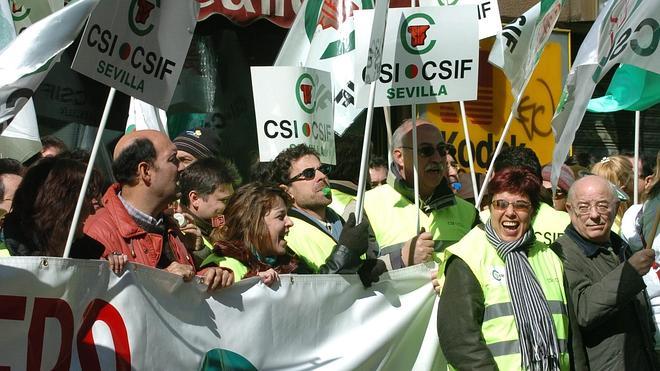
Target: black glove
x,y
356,238
371,270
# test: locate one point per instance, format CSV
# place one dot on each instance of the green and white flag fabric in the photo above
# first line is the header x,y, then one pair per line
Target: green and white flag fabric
x,y
323,37
632,88
20,140
626,31
27,12
144,116
25,62
519,45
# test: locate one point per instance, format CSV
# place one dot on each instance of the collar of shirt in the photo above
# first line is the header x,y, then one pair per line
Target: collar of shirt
x,y
591,249
333,223
146,221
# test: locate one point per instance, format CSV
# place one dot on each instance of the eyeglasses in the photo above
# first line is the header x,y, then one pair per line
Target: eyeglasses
x,y
310,173
519,205
427,150
585,208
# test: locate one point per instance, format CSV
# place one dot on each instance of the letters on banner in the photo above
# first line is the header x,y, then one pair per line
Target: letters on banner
x,y
76,314
293,105
139,50
430,62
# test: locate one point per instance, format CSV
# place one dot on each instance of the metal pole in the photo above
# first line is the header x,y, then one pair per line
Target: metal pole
x,y
468,147
88,173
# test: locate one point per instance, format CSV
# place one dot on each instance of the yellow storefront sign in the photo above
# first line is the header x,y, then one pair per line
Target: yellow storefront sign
x,y
488,114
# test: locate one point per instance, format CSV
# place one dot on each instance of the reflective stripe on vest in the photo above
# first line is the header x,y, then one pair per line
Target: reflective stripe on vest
x,y
309,243
510,347
393,219
506,309
499,328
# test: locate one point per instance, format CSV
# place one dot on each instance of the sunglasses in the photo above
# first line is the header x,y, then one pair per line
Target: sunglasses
x,y
310,173
519,205
427,150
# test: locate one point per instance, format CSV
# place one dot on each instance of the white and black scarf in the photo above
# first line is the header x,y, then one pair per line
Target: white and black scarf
x,y
539,346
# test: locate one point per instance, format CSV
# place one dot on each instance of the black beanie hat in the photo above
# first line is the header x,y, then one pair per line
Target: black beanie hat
x,y
199,142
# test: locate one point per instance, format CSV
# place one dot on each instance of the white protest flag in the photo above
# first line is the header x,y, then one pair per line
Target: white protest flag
x,y
626,31
20,140
27,12
76,314
488,13
25,62
323,37
519,45
143,116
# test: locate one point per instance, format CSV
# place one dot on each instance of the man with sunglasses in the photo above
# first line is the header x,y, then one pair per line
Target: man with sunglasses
x,y
444,217
608,309
319,235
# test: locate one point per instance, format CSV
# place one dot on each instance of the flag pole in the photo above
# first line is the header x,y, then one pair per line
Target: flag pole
x,y
364,162
492,161
88,173
415,164
468,146
636,167
514,108
388,126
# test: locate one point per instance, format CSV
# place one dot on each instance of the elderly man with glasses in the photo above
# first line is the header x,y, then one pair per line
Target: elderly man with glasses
x,y
444,217
319,235
608,309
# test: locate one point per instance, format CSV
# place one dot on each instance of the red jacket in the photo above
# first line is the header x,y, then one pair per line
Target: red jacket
x,y
113,227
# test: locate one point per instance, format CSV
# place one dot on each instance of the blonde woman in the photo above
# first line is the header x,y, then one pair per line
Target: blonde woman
x,y
619,171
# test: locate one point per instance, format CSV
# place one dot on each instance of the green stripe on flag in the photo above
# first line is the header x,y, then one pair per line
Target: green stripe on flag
x,y
632,88
339,47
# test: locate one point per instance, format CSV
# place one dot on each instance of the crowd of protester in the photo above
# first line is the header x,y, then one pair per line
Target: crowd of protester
x,y
531,279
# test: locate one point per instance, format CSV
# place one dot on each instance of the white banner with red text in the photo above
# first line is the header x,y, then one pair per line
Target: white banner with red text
x,y
60,313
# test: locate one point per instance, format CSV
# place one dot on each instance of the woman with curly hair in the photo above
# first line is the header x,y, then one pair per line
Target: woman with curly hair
x,y
251,242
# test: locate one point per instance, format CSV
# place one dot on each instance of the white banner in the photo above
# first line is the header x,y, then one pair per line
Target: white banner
x,y
488,13
427,60
76,314
293,105
140,49
625,32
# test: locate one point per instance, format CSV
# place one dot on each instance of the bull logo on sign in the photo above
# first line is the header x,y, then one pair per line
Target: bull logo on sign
x,y
305,93
139,13
414,33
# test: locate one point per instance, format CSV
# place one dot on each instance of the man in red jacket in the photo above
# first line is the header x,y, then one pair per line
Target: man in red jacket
x,y
132,222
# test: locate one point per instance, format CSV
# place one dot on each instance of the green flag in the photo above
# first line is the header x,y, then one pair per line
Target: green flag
x,y
632,88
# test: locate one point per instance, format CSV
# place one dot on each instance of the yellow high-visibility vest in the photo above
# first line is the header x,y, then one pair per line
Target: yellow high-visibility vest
x,y
499,326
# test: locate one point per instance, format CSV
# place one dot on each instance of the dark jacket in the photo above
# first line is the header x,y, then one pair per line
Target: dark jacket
x,y
612,328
